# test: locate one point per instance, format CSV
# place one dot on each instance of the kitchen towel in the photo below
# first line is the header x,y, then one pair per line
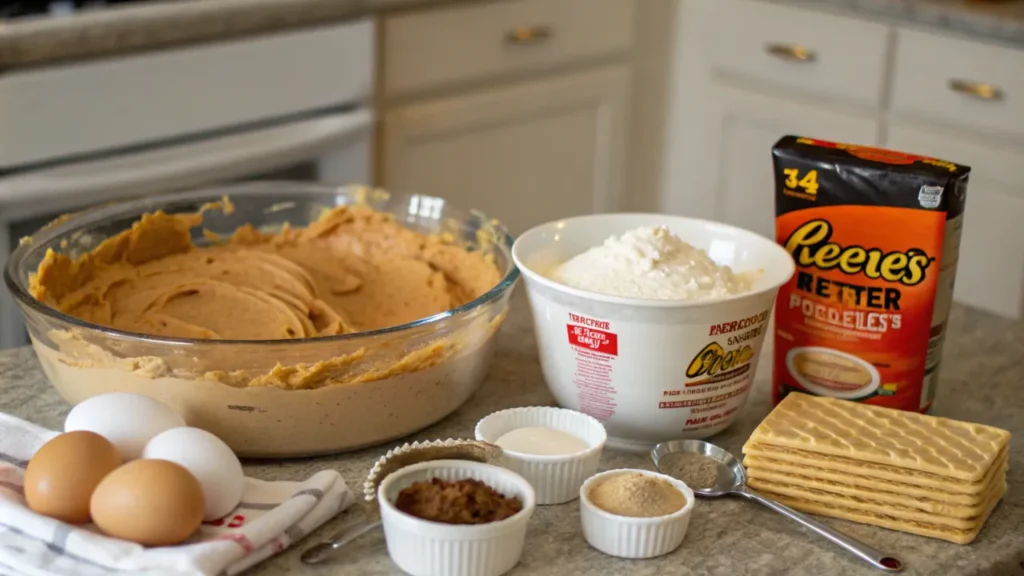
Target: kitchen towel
x,y
271,516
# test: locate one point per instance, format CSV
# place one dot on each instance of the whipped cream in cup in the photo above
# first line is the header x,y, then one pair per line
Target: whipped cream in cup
x,y
555,477
651,262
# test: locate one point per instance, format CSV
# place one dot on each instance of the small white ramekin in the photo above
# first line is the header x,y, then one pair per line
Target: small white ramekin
x,y
424,548
627,537
557,479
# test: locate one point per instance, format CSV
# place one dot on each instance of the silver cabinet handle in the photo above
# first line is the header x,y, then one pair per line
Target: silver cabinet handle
x,y
791,52
526,35
978,90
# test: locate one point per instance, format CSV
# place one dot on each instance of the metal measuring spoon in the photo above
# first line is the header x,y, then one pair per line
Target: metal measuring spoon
x,y
732,480
323,550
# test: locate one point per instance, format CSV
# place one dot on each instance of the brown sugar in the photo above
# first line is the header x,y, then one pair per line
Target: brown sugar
x,y
637,495
460,502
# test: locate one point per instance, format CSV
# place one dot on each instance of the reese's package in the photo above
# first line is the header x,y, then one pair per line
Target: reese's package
x,y
875,235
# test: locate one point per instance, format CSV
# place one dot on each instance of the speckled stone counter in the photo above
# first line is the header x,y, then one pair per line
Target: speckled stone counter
x,y
983,371
134,27
1001,22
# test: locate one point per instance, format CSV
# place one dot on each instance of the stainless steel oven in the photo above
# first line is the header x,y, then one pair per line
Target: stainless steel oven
x,y
293,106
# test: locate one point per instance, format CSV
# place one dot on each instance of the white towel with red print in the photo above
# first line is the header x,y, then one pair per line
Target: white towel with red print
x,y
271,516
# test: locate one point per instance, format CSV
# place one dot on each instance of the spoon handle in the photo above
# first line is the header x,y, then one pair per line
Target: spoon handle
x,y
319,552
870,555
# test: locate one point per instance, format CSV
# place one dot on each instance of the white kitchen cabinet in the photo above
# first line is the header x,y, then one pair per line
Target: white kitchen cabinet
x,y
990,274
944,80
470,42
825,57
746,72
726,115
526,153
732,170
960,100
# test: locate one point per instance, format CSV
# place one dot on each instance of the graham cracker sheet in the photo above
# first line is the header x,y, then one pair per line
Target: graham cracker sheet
x,y
847,467
955,535
852,479
932,504
867,505
867,433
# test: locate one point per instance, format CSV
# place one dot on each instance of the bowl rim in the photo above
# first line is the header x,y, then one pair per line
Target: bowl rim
x,y
545,458
646,520
250,188
529,496
533,275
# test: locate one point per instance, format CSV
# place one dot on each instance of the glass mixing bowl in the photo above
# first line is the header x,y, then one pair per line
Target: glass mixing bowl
x,y
370,387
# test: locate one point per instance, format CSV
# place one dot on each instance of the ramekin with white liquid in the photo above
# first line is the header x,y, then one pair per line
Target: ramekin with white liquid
x,y
650,323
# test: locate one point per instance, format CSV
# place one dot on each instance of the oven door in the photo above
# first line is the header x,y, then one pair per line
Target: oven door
x,y
337,142
333,148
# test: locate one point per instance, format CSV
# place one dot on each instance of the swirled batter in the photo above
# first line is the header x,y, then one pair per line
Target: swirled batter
x,y
352,270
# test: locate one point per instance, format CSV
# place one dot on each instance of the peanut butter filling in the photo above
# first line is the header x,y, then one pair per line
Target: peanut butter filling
x,y
350,271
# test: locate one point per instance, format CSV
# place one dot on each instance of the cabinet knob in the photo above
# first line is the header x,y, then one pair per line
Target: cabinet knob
x,y
791,52
529,35
978,90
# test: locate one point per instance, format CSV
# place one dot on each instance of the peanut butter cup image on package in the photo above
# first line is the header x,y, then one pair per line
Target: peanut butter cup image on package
x,y
831,372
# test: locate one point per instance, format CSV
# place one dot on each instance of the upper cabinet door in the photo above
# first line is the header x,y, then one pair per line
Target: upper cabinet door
x,y
801,52
730,167
747,73
524,154
448,46
975,86
990,270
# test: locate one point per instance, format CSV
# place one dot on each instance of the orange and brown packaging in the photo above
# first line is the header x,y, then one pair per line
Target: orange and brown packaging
x,y
875,235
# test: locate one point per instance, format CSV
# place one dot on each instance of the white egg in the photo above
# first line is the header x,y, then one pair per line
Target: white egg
x,y
210,460
128,420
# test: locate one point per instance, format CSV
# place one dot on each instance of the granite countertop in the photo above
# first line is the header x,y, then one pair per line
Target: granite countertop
x,y
160,24
981,381
992,20
150,25
153,24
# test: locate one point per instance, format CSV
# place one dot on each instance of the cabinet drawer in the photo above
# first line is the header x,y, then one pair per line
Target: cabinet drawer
x,y
958,82
433,48
800,51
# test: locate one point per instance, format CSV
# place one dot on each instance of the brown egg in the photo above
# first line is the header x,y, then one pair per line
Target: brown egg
x,y
152,502
64,472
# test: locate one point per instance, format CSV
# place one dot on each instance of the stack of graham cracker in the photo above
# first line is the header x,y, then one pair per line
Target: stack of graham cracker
x,y
900,470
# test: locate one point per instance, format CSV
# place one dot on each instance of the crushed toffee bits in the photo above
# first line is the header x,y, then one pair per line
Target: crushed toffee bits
x,y
637,495
460,502
697,470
